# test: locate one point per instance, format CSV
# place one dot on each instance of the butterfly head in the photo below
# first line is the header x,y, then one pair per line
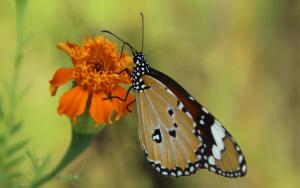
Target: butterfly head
x,y
138,57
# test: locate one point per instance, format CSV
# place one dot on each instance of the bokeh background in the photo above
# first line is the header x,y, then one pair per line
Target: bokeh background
x,y
239,58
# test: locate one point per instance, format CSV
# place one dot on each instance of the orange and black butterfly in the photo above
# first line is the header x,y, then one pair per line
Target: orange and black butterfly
x,y
177,134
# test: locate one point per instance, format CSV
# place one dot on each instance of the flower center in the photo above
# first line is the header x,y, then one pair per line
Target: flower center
x,y
98,65
98,68
97,75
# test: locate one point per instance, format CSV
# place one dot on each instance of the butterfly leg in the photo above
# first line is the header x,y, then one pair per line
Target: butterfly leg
x,y
127,106
125,70
118,97
122,49
124,100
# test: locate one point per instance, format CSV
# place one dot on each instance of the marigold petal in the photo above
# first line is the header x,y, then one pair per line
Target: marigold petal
x,y
101,110
60,77
67,47
121,106
73,102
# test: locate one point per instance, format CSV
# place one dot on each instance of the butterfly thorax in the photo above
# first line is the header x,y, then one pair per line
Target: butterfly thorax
x,y
141,68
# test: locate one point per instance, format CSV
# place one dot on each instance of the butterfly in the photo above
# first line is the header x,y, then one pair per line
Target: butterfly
x,y
177,134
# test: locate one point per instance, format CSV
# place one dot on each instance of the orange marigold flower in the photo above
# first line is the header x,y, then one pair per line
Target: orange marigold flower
x,y
97,74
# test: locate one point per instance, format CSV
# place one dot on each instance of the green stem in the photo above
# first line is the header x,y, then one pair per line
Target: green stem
x,y
78,144
9,119
21,7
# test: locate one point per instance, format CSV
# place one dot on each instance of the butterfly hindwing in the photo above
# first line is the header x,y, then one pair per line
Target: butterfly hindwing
x,y
179,135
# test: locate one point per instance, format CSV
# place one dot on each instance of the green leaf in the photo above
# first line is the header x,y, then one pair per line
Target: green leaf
x,y
12,163
21,8
23,93
38,166
1,139
16,147
10,175
15,128
78,144
1,109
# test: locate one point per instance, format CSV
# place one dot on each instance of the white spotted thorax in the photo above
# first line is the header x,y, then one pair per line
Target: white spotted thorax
x,y
141,68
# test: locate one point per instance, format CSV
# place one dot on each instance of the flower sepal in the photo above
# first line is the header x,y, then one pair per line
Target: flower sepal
x,y
84,124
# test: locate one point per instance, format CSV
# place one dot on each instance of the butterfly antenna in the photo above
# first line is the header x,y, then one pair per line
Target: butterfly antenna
x,y
124,42
142,15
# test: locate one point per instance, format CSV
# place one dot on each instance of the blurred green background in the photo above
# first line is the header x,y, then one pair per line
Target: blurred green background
x,y
240,59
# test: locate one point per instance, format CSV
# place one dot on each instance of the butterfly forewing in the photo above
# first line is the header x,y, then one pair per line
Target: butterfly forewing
x,y
201,141
167,134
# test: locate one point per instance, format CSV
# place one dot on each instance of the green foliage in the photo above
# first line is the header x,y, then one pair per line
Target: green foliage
x,y
79,143
38,166
12,148
11,155
1,110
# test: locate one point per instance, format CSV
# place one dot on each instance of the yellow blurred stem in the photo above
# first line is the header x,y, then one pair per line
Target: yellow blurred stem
x,y
79,143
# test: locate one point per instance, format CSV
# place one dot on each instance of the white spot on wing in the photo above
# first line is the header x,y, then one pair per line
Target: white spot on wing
x,y
179,173
191,98
240,158
212,169
216,152
244,168
211,160
194,125
206,165
180,106
219,125
199,157
204,109
188,114
192,169
156,137
218,134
